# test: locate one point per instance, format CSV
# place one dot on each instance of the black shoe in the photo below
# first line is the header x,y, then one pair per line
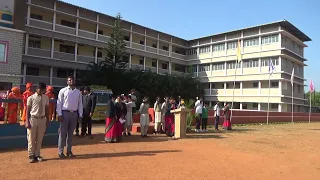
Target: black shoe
x,y
32,159
62,156
70,154
145,135
77,134
40,159
124,134
129,134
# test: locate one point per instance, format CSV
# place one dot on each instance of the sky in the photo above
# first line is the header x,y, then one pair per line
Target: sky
x,y
189,19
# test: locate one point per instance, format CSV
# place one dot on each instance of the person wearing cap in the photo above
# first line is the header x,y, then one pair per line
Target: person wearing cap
x,y
37,121
69,110
89,104
13,107
52,105
144,117
27,93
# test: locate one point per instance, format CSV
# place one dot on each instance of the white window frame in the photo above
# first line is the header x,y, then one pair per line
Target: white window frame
x,y
5,51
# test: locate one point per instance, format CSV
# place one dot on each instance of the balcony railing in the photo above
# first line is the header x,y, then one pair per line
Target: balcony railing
x,y
137,46
39,52
86,59
86,34
65,29
103,38
152,69
40,24
151,49
178,73
59,81
163,71
163,52
137,66
179,56
37,79
63,56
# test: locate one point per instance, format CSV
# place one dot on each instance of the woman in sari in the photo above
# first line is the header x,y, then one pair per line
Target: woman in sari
x,y
112,123
227,115
169,118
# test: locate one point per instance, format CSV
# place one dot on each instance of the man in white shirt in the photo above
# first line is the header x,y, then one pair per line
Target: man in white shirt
x,y
69,110
217,115
198,106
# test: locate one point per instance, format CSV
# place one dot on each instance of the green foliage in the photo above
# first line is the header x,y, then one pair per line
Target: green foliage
x,y
315,98
116,47
189,103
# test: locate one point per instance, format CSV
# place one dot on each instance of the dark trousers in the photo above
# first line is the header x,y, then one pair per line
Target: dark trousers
x,y
198,121
204,123
86,122
216,123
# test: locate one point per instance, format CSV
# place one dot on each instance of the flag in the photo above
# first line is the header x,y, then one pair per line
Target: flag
x,y
292,76
271,67
311,87
239,56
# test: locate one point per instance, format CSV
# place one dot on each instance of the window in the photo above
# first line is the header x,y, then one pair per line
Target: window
x,y
251,42
255,84
213,86
3,51
67,49
270,39
251,63
141,42
99,54
255,105
35,43
265,61
244,106
180,68
126,38
232,65
36,16
154,45
141,61
68,24
154,63
274,106
165,48
232,45
32,71
63,73
192,52
204,67
218,47
164,65
204,49
299,88
274,84
100,32
218,67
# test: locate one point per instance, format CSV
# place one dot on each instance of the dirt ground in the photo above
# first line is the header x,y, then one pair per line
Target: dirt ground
x,y
287,151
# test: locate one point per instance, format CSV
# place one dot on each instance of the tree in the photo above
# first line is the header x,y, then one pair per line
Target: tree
x,y
315,98
116,48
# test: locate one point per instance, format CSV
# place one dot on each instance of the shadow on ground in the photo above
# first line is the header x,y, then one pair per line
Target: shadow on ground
x,y
120,154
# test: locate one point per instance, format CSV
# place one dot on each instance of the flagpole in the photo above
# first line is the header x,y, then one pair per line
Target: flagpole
x,y
268,101
234,84
292,103
310,107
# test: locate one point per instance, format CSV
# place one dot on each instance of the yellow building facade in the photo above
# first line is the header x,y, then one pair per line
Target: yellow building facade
x,y
62,39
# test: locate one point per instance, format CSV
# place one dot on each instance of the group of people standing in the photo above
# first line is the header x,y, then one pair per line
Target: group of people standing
x,y
119,118
201,112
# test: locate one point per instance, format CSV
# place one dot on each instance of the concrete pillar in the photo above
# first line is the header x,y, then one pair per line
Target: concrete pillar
x,y
24,79
51,75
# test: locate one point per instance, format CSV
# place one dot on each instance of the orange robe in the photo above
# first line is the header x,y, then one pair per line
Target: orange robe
x,y
25,95
13,108
52,106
